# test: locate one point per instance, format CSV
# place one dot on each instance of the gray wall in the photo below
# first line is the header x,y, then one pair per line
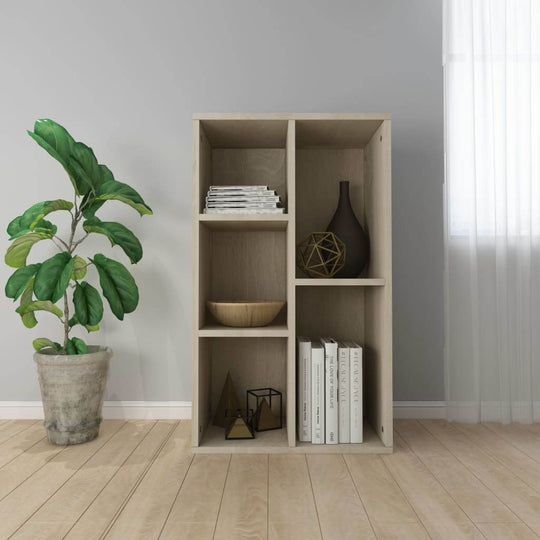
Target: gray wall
x,y
126,76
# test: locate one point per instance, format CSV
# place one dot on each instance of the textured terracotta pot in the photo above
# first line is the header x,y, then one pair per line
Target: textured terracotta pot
x,y
72,389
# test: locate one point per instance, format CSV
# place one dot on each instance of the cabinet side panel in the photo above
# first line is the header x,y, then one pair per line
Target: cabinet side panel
x,y
291,296
378,322
195,291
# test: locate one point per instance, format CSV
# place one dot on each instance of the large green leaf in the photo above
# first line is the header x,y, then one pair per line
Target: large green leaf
x,y
118,191
53,277
18,251
118,285
83,161
76,345
56,140
118,235
33,218
19,226
88,304
79,268
80,345
28,319
39,305
20,279
43,342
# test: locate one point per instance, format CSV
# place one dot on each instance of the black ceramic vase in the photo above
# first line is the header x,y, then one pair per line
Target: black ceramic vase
x,y
346,226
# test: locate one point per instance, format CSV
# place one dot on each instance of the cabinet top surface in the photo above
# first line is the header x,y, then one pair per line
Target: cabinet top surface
x,y
292,116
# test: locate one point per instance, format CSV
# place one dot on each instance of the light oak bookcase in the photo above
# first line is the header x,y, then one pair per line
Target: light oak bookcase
x,y
252,257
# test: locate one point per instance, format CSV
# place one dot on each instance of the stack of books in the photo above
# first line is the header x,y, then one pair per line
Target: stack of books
x,y
242,200
330,395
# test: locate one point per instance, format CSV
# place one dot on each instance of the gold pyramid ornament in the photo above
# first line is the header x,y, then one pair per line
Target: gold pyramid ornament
x,y
228,400
239,429
265,419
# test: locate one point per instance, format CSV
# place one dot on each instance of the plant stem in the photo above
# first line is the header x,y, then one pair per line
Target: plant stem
x,y
70,247
66,320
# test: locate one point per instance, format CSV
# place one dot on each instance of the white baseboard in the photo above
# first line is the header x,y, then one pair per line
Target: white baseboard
x,y
181,410
421,410
112,410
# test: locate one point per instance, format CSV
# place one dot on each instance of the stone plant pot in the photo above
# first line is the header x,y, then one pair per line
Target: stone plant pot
x,y
72,388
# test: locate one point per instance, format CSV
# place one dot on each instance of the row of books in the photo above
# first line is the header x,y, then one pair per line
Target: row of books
x,y
330,394
242,200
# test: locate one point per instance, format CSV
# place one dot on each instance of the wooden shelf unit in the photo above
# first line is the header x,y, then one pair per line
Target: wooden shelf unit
x,y
252,257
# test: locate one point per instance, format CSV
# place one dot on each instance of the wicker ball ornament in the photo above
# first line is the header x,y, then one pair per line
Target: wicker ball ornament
x,y
320,255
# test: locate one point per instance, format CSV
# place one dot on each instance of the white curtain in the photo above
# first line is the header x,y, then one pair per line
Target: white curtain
x,y
492,153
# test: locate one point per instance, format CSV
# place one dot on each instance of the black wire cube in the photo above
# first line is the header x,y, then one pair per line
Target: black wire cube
x,y
268,406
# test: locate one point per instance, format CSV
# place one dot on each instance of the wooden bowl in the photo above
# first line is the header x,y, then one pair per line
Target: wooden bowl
x,y
245,313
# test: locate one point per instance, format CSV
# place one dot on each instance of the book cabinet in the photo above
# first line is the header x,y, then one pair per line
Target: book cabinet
x,y
253,257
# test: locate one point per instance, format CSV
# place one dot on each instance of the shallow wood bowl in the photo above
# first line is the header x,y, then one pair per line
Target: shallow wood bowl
x,y
245,313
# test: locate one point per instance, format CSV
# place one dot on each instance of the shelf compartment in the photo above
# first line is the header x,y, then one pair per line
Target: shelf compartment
x,y
244,222
242,152
241,265
253,362
218,330
337,282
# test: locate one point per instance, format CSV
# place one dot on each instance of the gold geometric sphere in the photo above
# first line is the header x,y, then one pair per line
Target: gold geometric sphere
x,y
320,255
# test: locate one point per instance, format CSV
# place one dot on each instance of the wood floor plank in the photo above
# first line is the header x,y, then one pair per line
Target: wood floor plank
x,y
383,499
520,437
23,501
25,465
243,512
335,497
510,489
12,427
148,507
55,518
507,531
291,507
400,531
101,513
507,453
195,511
17,444
477,501
439,513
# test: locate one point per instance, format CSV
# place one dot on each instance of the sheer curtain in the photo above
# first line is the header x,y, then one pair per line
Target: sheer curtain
x,y
492,140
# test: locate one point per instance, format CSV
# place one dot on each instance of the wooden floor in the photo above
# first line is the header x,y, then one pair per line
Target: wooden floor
x,y
139,480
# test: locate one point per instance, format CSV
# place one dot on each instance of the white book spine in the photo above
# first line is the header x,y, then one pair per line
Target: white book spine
x,y
356,394
317,387
331,390
344,390
304,389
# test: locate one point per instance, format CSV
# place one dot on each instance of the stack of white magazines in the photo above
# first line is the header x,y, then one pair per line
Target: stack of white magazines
x,y
242,200
329,379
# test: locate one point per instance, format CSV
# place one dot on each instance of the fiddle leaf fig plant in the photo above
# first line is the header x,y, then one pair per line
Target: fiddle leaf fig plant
x,y
40,286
